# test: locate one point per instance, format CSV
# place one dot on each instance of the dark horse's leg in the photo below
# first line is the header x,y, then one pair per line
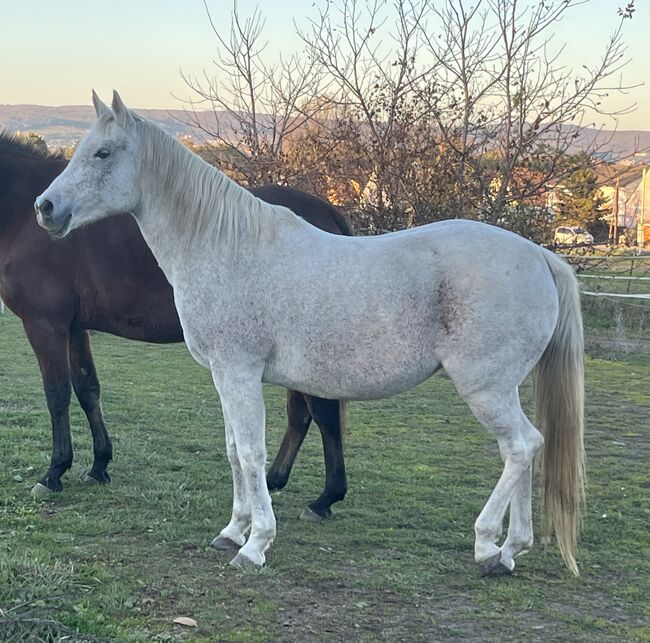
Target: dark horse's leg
x,y
50,344
299,419
327,414
86,387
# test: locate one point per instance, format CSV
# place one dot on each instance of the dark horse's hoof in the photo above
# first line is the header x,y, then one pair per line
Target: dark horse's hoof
x,y
311,515
96,478
493,566
39,490
275,482
45,486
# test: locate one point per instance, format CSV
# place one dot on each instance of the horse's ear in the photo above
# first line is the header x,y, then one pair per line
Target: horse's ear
x,y
122,114
100,107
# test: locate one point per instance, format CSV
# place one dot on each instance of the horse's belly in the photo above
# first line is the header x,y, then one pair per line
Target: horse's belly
x,y
352,376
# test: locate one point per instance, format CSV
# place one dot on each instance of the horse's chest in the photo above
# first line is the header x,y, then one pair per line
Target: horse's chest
x,y
216,334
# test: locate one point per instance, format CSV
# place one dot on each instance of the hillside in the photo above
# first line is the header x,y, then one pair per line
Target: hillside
x,y
65,125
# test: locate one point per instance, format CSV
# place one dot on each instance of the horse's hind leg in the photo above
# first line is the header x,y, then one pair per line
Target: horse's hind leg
x,y
299,419
328,415
86,387
520,528
518,441
301,409
50,344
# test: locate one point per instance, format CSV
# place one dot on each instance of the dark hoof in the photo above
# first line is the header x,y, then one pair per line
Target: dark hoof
x,y
310,515
494,567
243,562
275,482
41,491
96,478
224,544
47,484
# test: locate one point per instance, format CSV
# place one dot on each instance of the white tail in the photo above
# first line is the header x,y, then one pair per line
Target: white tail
x,y
559,408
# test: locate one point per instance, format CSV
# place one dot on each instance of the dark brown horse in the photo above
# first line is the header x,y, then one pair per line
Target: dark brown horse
x,y
104,277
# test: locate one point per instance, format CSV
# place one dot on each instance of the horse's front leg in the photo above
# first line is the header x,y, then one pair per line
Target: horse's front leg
x,y
299,419
50,344
233,535
240,391
329,415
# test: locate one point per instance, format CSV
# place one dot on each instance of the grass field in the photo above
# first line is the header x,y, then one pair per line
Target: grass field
x,y
121,562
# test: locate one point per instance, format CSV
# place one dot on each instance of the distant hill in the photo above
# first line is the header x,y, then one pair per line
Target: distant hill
x,y
64,126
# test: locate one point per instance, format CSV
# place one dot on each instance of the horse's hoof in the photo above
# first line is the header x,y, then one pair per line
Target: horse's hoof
x,y
222,543
494,566
241,561
275,482
39,490
91,480
309,515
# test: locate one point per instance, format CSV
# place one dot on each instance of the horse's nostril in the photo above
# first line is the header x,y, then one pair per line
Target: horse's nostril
x,y
46,208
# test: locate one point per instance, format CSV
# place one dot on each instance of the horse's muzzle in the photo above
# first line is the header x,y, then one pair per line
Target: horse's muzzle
x,y
56,226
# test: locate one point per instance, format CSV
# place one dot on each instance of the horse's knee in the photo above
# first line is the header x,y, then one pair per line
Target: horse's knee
x,y
88,393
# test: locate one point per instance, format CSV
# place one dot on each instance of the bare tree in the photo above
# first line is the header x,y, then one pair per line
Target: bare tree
x,y
256,105
412,110
374,75
521,107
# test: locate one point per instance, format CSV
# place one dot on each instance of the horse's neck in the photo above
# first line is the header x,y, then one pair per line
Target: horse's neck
x,y
25,176
164,203
191,213
153,218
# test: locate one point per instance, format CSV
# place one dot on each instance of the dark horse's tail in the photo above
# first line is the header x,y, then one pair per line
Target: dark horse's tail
x,y
342,222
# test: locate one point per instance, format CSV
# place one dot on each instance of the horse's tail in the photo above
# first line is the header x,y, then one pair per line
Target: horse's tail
x,y
559,409
342,222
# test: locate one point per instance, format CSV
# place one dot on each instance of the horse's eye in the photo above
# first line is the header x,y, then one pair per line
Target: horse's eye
x,y
103,153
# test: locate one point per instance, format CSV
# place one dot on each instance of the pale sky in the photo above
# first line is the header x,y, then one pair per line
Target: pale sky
x,y
52,52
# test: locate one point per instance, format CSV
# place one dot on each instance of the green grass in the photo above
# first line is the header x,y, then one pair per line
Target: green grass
x,y
121,562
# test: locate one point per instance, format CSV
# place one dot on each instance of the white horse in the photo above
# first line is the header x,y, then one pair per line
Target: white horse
x,y
390,310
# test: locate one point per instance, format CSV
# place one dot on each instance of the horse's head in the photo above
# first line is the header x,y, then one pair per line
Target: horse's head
x,y
102,177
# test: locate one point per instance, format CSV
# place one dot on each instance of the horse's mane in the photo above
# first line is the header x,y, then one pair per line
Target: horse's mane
x,y
207,205
14,144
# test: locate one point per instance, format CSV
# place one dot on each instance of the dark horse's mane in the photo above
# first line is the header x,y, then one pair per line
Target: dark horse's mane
x,y
14,144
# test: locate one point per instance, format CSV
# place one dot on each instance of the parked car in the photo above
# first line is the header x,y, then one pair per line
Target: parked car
x,y
572,236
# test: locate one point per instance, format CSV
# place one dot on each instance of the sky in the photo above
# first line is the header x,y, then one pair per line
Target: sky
x,y
52,52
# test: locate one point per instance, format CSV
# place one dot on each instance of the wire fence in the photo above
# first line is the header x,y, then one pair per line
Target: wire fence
x,y
616,295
